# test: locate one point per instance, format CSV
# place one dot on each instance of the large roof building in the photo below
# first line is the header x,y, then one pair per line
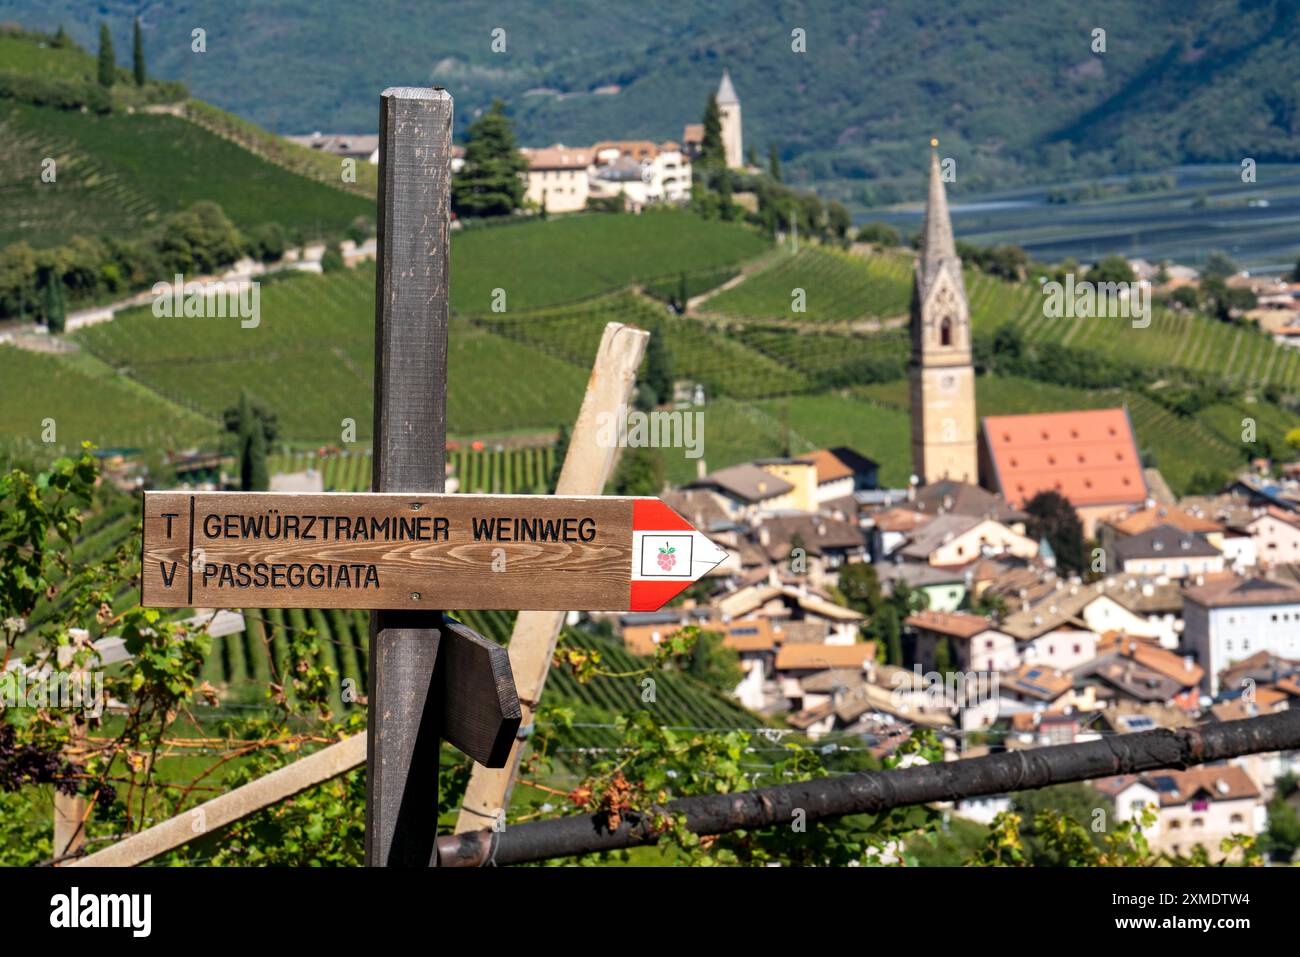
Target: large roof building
x,y
1090,457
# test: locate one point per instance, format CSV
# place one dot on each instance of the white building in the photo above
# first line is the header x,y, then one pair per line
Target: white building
x,y
1229,618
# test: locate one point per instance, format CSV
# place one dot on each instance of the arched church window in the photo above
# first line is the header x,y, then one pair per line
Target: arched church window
x,y
945,331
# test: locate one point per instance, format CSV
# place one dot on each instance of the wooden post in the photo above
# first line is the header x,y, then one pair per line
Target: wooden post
x,y
411,308
70,811
587,467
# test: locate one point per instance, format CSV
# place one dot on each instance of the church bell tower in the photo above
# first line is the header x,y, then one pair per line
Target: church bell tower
x,y
941,373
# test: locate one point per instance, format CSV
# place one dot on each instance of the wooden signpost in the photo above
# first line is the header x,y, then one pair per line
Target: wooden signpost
x,y
406,551
415,552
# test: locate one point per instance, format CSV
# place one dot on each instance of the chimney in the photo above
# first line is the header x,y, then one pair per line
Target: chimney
x,y
764,536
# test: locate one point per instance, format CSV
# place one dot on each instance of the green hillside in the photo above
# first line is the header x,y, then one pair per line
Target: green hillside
x,y
85,400
837,287
539,264
120,173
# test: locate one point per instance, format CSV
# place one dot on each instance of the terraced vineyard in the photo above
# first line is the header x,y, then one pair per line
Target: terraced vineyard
x,y
1237,354
507,471
540,264
120,173
311,360
838,286
724,364
85,403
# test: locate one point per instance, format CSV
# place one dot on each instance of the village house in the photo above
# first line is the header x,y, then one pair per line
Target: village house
x,y
747,490
1138,670
1168,551
363,147
1276,534
952,539
795,662
557,178
796,611
945,589
1228,618
1199,806
826,543
975,644
1033,687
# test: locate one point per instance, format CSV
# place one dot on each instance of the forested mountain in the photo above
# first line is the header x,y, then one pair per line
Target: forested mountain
x,y
1016,93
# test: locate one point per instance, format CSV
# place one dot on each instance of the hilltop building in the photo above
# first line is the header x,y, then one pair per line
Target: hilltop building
x,y
942,375
729,113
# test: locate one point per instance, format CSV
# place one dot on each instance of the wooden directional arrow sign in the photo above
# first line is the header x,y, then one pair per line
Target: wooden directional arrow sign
x,y
398,551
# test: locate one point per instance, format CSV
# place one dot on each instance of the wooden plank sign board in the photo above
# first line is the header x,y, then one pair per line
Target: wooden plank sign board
x,y
411,551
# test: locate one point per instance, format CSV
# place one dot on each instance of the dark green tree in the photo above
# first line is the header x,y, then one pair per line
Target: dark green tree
x,y
55,314
107,62
137,54
1218,266
331,259
1051,516
659,367
491,183
712,152
251,430
838,220
61,37
1079,801
713,663
1111,269
561,451
859,586
774,163
639,472
887,630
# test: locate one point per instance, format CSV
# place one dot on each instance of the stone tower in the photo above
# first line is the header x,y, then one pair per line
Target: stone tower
x,y
729,113
942,376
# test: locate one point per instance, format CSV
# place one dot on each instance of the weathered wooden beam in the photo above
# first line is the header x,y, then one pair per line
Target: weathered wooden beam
x,y
410,439
588,465
329,762
480,710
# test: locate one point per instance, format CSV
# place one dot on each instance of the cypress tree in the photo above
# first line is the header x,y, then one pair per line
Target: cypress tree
x,y
137,54
54,311
107,62
659,367
711,150
774,163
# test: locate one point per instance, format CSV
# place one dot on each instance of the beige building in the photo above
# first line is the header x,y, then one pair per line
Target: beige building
x,y
557,178
729,113
1199,806
942,376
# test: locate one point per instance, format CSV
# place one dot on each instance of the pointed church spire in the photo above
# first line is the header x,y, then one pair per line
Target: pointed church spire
x,y
726,92
936,244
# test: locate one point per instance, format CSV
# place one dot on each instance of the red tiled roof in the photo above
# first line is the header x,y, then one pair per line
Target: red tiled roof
x,y
954,623
558,157
1090,457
